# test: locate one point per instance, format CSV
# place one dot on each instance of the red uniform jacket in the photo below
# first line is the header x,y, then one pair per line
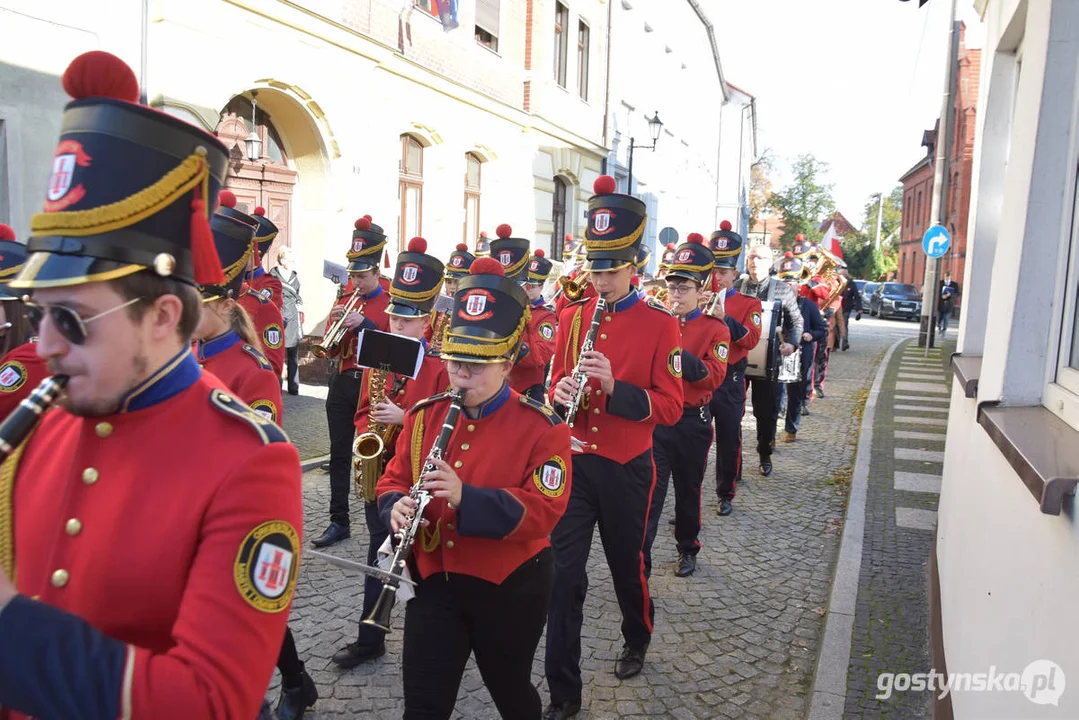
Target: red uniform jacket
x,y
404,392
21,370
706,344
744,322
267,286
245,371
514,462
269,324
156,554
539,336
818,293
641,339
373,308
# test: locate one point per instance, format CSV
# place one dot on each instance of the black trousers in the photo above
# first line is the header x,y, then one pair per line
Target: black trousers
x,y
798,393
617,497
764,410
341,401
728,406
292,369
289,663
820,368
377,532
453,615
681,452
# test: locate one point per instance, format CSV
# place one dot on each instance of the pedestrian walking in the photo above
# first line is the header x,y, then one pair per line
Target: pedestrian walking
x,y
292,311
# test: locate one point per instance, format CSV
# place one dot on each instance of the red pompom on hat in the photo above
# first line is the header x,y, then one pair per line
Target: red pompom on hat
x,y
368,218
539,252
799,237
670,246
417,245
725,225
100,74
503,231
226,198
487,266
569,237
693,238
604,185
261,211
788,254
461,247
6,233
483,234
363,223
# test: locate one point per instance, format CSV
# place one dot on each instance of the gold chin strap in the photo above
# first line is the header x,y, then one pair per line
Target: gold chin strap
x,y
481,347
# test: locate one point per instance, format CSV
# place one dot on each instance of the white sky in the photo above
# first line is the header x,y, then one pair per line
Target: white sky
x,y
854,82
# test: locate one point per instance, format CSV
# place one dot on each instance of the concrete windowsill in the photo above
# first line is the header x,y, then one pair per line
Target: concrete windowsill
x,y
1041,448
967,368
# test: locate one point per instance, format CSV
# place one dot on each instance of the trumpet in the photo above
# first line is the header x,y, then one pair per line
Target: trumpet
x,y
331,341
573,289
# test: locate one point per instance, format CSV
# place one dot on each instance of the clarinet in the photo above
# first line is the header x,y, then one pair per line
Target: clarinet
x,y
24,418
578,375
406,536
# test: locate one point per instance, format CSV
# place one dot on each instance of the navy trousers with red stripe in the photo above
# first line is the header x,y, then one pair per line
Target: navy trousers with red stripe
x,y
681,453
728,406
617,497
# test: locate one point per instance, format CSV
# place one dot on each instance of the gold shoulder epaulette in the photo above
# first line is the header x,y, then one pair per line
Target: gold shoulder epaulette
x,y
259,357
657,305
267,430
545,410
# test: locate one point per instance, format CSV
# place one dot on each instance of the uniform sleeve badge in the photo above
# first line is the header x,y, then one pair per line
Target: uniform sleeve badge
x,y
266,293
720,351
12,376
546,331
550,477
756,319
267,565
266,409
674,362
272,336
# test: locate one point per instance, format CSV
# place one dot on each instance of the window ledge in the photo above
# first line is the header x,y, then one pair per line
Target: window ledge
x,y
967,368
1040,447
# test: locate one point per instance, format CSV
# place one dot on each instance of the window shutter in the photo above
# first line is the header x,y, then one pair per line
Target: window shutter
x,y
487,12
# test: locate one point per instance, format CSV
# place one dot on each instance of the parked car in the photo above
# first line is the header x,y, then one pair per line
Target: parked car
x,y
867,293
897,300
859,284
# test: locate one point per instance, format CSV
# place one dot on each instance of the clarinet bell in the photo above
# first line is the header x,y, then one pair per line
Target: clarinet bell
x,y
380,614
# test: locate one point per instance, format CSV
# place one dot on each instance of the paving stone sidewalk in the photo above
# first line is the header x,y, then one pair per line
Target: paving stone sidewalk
x,y
736,640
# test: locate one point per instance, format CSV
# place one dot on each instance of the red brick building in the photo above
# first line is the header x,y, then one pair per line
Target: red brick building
x,y
918,181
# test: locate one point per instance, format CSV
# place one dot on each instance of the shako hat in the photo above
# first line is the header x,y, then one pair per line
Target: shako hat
x,y
726,245
668,256
417,281
368,242
489,314
264,234
460,261
233,233
539,267
615,227
801,247
790,268
483,245
693,260
12,258
511,252
131,188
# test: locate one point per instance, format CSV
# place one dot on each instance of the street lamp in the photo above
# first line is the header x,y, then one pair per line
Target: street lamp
x,y
253,141
654,127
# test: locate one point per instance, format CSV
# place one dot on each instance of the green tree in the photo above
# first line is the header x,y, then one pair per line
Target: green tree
x,y
760,185
805,202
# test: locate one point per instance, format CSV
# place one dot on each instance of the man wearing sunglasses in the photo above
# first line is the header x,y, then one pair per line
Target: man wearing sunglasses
x,y
154,539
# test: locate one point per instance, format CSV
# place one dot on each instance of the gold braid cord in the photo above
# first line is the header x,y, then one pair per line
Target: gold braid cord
x,y
396,292
7,508
616,243
237,267
417,447
573,348
482,347
184,178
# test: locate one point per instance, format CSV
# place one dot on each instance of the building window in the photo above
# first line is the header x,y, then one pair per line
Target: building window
x,y
582,60
558,217
410,190
473,166
918,215
487,17
561,26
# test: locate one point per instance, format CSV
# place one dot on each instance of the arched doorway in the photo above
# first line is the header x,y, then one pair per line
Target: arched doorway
x,y
268,182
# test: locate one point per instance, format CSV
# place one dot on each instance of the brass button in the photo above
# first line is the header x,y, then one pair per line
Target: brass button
x,y
60,578
458,464
606,318
89,476
73,527
595,410
449,544
598,393
603,336
595,429
472,428
593,446
449,526
103,429
465,446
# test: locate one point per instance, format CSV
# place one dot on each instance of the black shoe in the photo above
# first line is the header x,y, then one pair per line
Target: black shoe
x,y
766,468
332,535
805,410
820,392
325,467
724,508
294,392
686,565
354,654
629,663
561,711
846,346
294,702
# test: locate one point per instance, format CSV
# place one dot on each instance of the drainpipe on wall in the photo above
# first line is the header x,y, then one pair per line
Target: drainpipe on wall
x,y
143,60
607,86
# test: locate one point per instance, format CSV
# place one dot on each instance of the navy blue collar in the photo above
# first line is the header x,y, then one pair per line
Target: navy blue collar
x,y
693,315
491,405
374,293
218,345
538,302
259,272
177,375
625,303
730,292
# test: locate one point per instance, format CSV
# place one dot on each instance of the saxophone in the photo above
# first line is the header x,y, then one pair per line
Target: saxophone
x,y
369,449
578,374
438,331
406,536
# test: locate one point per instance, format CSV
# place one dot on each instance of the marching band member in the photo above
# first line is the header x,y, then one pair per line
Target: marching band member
x,y
483,555
575,258
20,367
632,382
264,312
199,499
483,246
681,450
415,285
456,268
743,317
262,282
368,242
530,373
665,263
815,330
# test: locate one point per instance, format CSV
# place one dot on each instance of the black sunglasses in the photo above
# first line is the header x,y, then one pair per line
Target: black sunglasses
x,y
68,323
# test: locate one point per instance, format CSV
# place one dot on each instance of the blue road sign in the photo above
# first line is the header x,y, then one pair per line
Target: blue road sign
x,y
936,241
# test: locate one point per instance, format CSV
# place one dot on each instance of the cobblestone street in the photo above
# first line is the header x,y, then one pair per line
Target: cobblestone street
x,y
739,639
